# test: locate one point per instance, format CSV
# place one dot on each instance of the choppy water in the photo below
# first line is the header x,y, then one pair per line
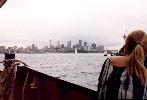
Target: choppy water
x,y
81,69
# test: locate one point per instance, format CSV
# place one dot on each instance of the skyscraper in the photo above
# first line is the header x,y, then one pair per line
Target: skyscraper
x,y
85,47
100,48
93,45
80,44
62,45
69,44
58,44
85,44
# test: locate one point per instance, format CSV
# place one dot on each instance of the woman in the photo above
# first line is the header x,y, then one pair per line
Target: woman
x,y
124,77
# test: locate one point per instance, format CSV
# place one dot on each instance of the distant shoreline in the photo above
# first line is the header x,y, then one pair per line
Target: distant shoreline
x,y
58,53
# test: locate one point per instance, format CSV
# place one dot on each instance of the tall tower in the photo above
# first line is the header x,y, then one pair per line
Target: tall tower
x,y
50,43
124,37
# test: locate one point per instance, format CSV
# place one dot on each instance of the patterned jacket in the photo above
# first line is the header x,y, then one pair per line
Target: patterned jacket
x,y
115,84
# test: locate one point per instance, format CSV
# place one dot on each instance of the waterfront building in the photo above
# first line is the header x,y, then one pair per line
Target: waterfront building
x,y
45,47
77,46
69,44
10,50
85,44
93,46
22,50
89,48
34,48
52,48
2,49
62,49
58,44
44,50
74,46
14,48
80,44
85,47
100,48
68,48
62,45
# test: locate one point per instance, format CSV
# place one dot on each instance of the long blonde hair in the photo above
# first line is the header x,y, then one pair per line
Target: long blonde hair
x,y
136,47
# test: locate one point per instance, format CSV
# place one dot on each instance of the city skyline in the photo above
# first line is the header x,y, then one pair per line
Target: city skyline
x,y
55,43
24,22
41,44
81,46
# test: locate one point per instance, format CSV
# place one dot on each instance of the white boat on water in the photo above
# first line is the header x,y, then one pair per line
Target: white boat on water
x,y
76,51
105,53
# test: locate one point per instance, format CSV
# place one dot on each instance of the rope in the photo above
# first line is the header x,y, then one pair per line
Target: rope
x,y
14,61
8,76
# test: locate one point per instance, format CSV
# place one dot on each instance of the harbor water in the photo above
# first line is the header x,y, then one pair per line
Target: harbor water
x,y
82,69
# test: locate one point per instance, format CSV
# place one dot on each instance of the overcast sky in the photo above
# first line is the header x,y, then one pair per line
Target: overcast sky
x,y
23,22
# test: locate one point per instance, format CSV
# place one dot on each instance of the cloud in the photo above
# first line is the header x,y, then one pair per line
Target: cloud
x,y
89,20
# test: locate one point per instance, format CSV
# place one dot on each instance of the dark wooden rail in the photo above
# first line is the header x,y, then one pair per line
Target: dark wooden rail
x,y
40,86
